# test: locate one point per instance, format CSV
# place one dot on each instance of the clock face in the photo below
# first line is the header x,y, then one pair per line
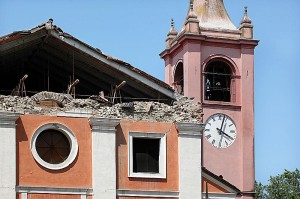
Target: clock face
x,y
220,130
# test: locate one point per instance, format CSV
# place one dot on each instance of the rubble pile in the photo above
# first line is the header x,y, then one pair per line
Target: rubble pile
x,y
182,110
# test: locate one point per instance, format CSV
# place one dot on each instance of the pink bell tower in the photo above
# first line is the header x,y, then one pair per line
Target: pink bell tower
x,y
213,61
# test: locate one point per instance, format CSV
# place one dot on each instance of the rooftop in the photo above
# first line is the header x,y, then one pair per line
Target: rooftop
x,y
45,58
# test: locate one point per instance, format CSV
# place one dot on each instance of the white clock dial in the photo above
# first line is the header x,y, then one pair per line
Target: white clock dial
x,y
220,130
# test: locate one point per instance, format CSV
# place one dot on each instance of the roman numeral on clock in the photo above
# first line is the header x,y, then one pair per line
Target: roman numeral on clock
x,y
208,136
220,117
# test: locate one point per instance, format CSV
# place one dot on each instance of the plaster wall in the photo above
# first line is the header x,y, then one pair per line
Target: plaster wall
x,y
225,161
241,153
212,188
31,174
190,170
192,69
170,64
145,184
7,155
248,117
104,157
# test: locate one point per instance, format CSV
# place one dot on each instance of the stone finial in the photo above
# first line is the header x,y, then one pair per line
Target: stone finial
x,y
192,22
172,29
246,19
191,14
171,34
246,26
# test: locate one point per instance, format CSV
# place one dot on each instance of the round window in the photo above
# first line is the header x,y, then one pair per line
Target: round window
x,y
54,146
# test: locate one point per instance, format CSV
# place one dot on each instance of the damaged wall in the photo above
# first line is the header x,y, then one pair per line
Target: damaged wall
x,y
182,110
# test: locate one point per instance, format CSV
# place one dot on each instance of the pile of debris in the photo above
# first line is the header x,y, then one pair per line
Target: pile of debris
x,y
182,110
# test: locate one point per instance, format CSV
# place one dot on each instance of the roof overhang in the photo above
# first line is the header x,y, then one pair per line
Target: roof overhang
x,y
219,181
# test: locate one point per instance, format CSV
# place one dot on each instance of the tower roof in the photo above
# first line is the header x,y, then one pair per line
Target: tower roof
x,y
212,15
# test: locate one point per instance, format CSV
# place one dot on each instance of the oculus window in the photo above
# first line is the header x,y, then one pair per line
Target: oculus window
x,y
147,155
217,81
54,146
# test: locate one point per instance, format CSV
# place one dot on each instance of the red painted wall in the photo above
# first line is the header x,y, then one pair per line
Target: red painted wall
x,y
125,182
31,173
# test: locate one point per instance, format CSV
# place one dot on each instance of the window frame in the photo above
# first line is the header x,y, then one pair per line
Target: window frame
x,y
69,135
234,85
223,77
162,155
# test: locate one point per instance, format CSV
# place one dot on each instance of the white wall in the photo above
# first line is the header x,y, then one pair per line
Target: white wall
x,y
104,157
8,155
190,160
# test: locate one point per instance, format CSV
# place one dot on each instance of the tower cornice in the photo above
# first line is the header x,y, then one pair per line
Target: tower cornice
x,y
189,37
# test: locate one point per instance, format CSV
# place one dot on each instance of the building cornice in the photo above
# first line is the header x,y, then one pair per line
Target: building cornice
x,y
104,125
144,193
189,129
8,119
54,190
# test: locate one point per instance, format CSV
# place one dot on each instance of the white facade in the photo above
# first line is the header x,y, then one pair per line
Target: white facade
x,y
8,155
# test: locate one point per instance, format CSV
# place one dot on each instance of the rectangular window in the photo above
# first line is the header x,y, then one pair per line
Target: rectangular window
x,y
147,155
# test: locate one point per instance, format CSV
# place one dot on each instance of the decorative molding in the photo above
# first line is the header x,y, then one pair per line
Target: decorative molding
x,y
8,119
144,193
228,60
219,195
190,129
221,105
54,190
75,112
104,125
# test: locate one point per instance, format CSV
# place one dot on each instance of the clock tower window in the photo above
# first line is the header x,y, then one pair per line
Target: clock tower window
x,y
178,78
217,81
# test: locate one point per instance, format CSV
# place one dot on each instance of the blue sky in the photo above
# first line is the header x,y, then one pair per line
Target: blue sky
x,y
135,31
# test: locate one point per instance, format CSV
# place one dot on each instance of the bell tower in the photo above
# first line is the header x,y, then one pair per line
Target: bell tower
x,y
212,60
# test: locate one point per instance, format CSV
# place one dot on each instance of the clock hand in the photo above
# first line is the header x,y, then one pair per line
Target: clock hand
x,y
225,133
224,127
222,121
220,142
228,136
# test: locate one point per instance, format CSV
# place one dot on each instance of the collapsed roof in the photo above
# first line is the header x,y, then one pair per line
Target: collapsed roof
x,y
53,59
